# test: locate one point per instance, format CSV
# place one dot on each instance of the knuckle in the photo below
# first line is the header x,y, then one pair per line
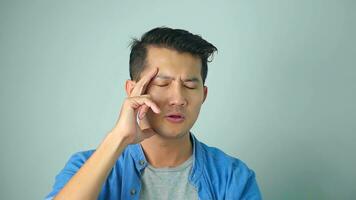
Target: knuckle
x,y
127,101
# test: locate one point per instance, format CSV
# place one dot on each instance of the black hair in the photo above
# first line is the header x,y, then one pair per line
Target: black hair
x,y
176,39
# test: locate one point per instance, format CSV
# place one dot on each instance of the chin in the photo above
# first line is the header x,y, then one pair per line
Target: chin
x,y
171,134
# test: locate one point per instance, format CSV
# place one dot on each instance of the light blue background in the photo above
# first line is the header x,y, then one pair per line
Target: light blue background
x,y
281,89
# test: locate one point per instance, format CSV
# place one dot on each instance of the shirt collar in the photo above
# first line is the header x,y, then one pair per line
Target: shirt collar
x,y
140,161
198,159
138,156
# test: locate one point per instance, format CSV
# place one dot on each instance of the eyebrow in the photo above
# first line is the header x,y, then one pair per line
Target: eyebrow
x,y
165,77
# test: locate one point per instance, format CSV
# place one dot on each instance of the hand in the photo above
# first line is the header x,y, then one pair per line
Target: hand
x,y
136,106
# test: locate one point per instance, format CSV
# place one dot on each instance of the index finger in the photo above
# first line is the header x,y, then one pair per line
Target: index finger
x,y
141,85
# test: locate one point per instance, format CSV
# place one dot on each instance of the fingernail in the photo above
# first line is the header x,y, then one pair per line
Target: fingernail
x,y
139,115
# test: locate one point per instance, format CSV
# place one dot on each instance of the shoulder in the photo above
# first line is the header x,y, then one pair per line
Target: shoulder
x,y
83,155
75,162
71,167
217,160
232,177
218,156
79,158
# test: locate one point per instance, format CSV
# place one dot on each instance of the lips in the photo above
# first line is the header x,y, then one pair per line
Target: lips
x,y
175,117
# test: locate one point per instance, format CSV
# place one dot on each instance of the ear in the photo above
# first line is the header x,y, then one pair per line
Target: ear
x,y
205,92
129,86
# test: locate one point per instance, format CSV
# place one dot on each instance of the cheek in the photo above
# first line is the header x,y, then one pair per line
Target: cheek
x,y
196,108
197,98
196,103
157,95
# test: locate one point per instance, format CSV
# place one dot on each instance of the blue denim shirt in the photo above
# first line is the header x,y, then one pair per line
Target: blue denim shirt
x,y
214,174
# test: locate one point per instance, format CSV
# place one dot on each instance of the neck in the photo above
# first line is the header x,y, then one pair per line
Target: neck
x,y
161,152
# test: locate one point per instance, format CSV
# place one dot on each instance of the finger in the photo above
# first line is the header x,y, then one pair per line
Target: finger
x,y
142,112
140,87
137,102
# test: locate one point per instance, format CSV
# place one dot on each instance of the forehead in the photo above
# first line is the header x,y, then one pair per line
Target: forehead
x,y
173,63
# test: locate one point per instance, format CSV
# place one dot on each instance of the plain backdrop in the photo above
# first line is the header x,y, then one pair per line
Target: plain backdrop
x,y
282,88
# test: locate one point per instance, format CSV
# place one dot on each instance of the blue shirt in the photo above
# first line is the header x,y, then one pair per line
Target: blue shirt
x,y
214,174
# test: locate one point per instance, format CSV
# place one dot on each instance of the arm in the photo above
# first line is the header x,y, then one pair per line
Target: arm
x,y
87,182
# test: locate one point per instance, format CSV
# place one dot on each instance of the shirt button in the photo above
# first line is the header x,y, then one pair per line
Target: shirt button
x,y
142,162
133,192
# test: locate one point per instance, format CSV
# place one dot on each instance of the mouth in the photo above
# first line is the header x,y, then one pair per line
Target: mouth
x,y
175,117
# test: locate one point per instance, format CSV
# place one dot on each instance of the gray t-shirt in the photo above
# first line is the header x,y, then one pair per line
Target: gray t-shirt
x,y
168,183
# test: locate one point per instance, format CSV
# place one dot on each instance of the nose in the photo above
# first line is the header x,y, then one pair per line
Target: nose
x,y
177,96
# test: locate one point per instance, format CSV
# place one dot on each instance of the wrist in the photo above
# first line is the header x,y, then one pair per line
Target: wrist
x,y
117,141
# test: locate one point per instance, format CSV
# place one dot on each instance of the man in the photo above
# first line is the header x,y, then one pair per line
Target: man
x,y
151,153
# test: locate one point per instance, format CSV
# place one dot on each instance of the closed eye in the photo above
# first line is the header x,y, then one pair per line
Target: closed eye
x,y
161,85
190,86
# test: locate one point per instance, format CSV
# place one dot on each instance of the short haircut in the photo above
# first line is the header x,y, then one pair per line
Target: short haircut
x,y
176,39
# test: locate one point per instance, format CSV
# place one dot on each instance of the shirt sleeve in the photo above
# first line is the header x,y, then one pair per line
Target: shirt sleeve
x,y
71,167
242,184
251,190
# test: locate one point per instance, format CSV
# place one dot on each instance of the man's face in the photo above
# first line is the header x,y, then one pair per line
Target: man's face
x,y
177,89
